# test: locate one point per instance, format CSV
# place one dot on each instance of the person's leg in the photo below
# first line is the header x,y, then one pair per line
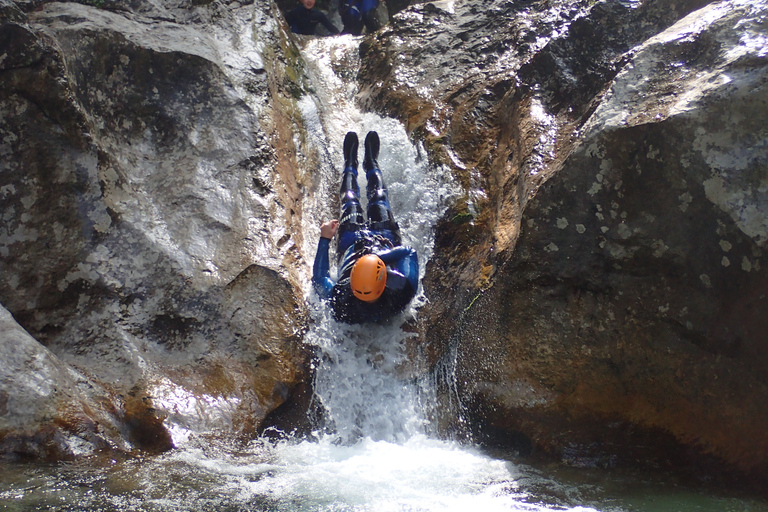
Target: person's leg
x,y
352,25
352,18
368,11
380,217
370,22
349,195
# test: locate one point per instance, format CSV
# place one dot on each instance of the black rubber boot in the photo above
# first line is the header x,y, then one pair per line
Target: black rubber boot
x,y
371,151
350,150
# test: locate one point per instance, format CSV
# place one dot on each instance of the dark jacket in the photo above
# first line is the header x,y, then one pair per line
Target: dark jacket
x,y
402,281
304,21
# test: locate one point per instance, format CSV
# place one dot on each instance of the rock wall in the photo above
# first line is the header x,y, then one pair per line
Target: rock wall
x,y
151,229
657,298
600,293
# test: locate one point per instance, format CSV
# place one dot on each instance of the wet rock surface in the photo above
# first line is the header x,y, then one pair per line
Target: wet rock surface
x,y
37,387
149,225
602,283
599,291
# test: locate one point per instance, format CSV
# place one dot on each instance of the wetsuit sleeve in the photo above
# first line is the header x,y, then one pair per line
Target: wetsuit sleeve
x,y
321,270
291,17
405,261
327,24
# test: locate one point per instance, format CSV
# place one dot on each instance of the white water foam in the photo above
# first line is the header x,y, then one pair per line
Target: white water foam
x,y
419,475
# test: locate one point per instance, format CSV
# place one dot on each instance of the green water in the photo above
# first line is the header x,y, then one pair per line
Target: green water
x,y
418,475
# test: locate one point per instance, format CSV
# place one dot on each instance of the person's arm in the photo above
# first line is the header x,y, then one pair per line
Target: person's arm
x,y
390,256
291,17
404,261
328,25
321,270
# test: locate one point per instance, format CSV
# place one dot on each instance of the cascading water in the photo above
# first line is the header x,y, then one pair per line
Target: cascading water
x,y
357,381
374,449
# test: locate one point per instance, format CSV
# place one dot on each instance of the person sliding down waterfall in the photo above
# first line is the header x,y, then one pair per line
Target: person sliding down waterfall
x,y
378,276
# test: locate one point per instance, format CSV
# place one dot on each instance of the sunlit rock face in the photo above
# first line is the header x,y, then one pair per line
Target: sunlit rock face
x,y
151,212
603,283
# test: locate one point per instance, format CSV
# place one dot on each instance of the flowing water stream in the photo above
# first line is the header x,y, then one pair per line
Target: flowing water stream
x,y
374,449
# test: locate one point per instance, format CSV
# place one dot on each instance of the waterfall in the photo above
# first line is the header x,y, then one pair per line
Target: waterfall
x,y
358,382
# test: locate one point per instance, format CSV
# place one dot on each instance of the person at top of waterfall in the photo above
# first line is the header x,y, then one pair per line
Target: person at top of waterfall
x,y
356,14
377,276
304,19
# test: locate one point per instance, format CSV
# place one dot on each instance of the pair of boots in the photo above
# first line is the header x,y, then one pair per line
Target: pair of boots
x,y
371,151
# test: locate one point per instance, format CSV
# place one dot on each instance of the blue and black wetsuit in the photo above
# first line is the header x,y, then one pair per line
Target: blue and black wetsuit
x,y
304,21
355,14
380,236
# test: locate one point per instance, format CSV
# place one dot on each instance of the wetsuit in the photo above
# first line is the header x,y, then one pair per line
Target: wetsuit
x,y
304,21
358,13
380,236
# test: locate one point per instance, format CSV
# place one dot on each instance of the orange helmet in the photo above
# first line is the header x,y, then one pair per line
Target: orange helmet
x,y
368,278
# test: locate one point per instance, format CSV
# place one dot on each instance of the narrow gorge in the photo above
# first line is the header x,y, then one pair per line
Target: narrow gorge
x,y
586,182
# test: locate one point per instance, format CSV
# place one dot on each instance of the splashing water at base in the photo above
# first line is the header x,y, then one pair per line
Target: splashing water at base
x,y
420,475
358,386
